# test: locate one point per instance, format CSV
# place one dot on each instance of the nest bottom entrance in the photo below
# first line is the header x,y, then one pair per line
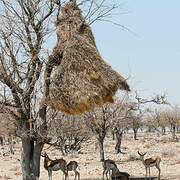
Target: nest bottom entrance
x,y
85,104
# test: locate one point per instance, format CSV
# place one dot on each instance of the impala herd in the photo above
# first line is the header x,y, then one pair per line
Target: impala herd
x,y
110,169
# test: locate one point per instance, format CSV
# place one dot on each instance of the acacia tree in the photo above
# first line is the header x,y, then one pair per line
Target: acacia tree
x,y
26,67
173,116
67,132
135,123
120,122
98,122
105,119
161,121
24,27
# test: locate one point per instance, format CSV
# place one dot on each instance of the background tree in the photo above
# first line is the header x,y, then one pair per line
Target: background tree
x,y
136,119
173,116
121,121
98,121
67,133
109,118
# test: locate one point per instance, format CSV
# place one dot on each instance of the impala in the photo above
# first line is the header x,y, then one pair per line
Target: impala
x,y
54,165
150,162
108,165
118,175
72,166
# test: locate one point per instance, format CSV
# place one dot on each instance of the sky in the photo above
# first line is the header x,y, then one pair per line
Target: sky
x,y
151,56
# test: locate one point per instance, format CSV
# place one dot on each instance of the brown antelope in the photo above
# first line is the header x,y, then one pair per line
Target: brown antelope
x,y
150,162
72,166
108,165
54,165
117,175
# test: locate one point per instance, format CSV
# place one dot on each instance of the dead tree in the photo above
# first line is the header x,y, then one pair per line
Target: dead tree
x,y
99,124
22,59
102,120
119,135
67,132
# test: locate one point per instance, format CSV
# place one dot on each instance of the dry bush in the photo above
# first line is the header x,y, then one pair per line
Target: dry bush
x,y
132,157
147,146
168,152
165,139
178,158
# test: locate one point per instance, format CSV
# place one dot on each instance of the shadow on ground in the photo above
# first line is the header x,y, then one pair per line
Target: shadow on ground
x,y
144,178
133,178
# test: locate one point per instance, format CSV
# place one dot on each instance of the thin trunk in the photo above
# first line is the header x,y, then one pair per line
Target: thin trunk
x,y
174,132
177,129
119,135
149,129
135,133
10,142
1,141
113,135
163,130
101,149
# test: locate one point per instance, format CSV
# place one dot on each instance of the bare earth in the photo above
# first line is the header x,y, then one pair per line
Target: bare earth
x,y
91,168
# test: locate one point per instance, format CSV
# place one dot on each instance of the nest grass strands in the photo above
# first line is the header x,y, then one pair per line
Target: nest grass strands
x,y
83,80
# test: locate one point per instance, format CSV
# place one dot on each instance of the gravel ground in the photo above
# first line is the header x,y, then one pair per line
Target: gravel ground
x,y
91,169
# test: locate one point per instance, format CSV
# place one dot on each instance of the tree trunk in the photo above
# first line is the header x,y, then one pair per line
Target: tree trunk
x,y
177,129
1,141
163,130
119,135
149,129
31,154
174,132
10,143
135,133
113,135
101,149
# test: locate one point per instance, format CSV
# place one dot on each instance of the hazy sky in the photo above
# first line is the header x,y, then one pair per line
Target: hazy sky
x,y
152,58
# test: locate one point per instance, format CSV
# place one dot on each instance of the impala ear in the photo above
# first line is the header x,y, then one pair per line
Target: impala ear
x,y
43,154
142,154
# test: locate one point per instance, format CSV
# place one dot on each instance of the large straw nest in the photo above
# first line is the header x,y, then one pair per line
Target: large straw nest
x,y
83,80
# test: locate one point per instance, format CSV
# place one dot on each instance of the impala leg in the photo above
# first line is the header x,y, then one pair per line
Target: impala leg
x,y
109,175
66,175
149,171
50,174
104,173
77,174
146,171
159,171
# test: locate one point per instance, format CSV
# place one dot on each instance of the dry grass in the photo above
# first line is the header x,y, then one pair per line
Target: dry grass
x,y
132,156
170,152
91,168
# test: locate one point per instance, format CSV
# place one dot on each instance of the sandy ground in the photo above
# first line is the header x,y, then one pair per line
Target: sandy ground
x,y
91,168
